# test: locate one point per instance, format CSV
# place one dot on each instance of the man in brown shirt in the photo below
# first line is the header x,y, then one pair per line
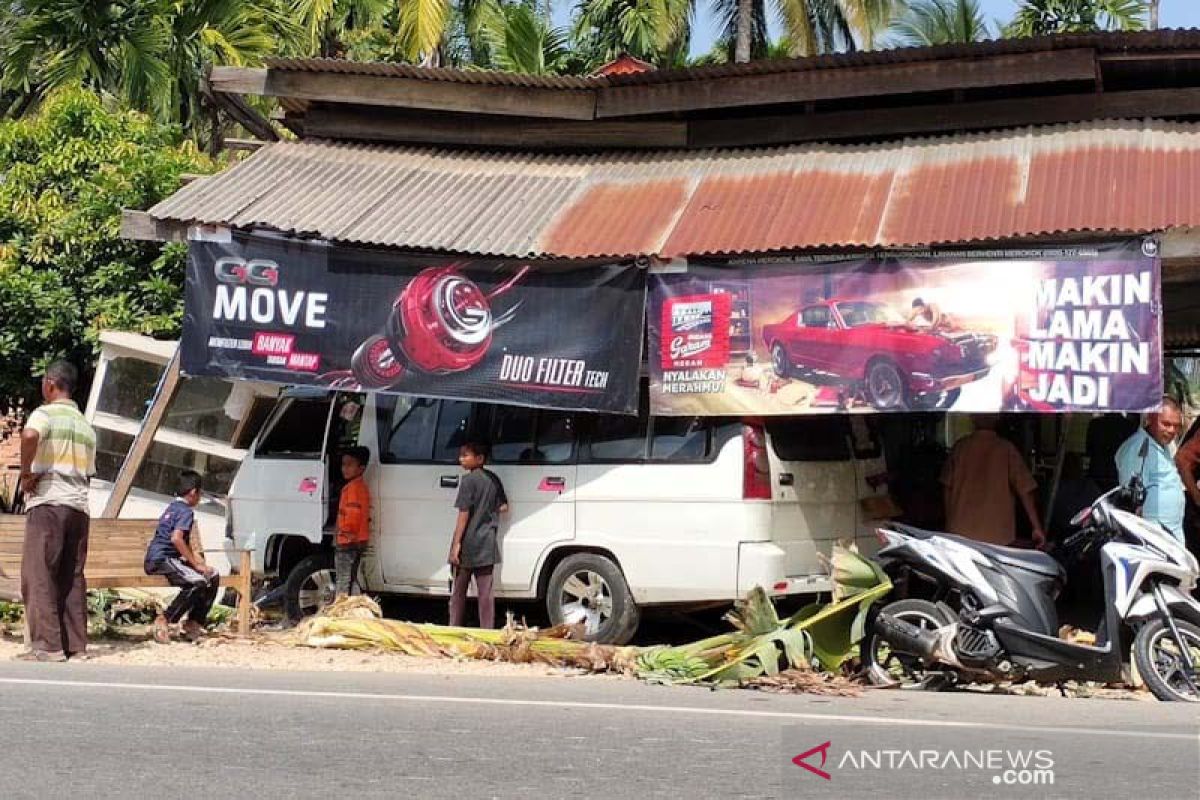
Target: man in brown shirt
x,y
1187,460
980,478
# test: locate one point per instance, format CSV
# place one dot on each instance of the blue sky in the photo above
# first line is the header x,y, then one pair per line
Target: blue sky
x,y
1173,14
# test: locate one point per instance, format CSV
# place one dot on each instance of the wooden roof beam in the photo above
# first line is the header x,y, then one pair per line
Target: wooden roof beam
x,y
378,125
396,91
949,118
1059,66
139,226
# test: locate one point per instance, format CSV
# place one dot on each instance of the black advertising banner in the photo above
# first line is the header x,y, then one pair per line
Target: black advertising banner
x,y
1046,330
552,335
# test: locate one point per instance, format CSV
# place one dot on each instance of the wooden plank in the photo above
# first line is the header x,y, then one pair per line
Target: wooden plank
x,y
243,590
243,144
984,115
376,90
340,122
163,396
828,84
140,226
238,80
115,560
242,113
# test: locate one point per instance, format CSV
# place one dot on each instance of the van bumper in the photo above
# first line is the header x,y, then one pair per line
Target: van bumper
x,y
763,564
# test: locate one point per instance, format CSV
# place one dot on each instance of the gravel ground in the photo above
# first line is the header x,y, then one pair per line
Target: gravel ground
x,y
265,654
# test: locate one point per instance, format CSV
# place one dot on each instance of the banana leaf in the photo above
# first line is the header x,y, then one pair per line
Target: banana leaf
x,y
838,627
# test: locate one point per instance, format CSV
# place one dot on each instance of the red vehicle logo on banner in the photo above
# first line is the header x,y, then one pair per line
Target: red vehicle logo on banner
x,y
239,271
699,331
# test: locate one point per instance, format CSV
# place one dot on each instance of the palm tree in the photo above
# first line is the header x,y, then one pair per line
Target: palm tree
x,y
1040,17
645,29
932,22
422,29
151,54
811,26
328,22
518,37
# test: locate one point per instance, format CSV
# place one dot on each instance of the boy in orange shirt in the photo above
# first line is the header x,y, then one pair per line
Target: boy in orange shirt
x,y
354,519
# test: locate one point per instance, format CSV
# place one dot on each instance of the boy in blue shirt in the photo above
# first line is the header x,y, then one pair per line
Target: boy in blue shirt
x,y
175,553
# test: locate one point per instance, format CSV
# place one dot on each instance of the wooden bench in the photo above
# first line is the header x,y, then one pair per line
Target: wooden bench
x,y
116,552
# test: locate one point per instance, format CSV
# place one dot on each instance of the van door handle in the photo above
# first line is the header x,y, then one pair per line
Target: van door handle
x,y
786,479
448,481
553,484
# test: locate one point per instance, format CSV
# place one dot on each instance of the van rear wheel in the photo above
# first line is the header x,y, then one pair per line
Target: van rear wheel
x,y
591,589
309,586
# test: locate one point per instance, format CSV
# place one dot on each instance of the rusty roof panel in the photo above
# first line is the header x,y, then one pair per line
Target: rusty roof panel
x,y
1102,177
616,219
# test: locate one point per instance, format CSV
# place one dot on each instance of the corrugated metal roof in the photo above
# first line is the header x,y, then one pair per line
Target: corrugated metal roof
x,y
1105,42
1117,176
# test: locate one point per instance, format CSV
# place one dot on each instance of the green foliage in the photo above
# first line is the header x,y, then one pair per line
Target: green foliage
x,y
822,636
934,22
1040,17
328,23
65,273
519,38
151,54
11,613
651,30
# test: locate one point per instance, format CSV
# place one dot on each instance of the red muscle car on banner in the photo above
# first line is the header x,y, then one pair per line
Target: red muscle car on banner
x,y
868,345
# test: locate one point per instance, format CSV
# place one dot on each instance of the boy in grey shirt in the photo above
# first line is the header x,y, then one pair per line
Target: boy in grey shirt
x,y
474,551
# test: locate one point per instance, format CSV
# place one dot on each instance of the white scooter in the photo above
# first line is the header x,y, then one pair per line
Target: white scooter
x,y
995,619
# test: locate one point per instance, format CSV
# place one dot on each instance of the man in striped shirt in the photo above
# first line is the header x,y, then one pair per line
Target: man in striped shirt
x,y
58,457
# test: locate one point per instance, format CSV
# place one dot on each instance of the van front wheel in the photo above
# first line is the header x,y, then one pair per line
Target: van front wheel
x,y
310,585
589,588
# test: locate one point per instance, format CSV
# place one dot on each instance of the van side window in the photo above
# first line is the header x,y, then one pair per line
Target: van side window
x,y
820,438
555,436
616,437
525,436
406,428
680,439
453,430
510,433
619,437
300,432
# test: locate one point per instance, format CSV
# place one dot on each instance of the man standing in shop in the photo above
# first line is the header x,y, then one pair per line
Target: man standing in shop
x,y
980,478
1147,454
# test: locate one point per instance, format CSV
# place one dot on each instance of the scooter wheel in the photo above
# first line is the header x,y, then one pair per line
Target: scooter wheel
x,y
886,666
1159,660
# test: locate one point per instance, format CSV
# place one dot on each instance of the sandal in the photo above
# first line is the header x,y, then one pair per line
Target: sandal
x,y
162,632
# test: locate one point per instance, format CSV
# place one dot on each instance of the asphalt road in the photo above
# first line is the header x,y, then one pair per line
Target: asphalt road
x,y
102,732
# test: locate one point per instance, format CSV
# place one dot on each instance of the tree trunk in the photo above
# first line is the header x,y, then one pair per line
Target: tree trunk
x,y
1153,15
745,21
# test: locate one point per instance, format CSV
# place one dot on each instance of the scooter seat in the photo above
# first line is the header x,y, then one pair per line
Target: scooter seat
x,y
1029,560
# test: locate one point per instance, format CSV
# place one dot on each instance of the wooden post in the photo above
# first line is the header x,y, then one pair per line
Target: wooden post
x,y
167,386
243,609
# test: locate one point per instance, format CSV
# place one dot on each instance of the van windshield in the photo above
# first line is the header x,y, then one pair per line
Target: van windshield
x,y
300,431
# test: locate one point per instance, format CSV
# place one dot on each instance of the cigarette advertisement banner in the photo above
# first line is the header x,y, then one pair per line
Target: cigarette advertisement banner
x,y
552,335
1044,330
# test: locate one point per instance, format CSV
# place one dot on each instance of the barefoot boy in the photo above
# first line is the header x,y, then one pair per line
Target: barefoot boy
x,y
175,553
474,552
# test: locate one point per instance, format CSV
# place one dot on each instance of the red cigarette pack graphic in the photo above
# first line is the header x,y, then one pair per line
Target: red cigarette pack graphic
x,y
698,327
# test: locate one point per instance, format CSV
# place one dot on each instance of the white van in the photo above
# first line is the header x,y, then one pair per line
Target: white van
x,y
609,514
